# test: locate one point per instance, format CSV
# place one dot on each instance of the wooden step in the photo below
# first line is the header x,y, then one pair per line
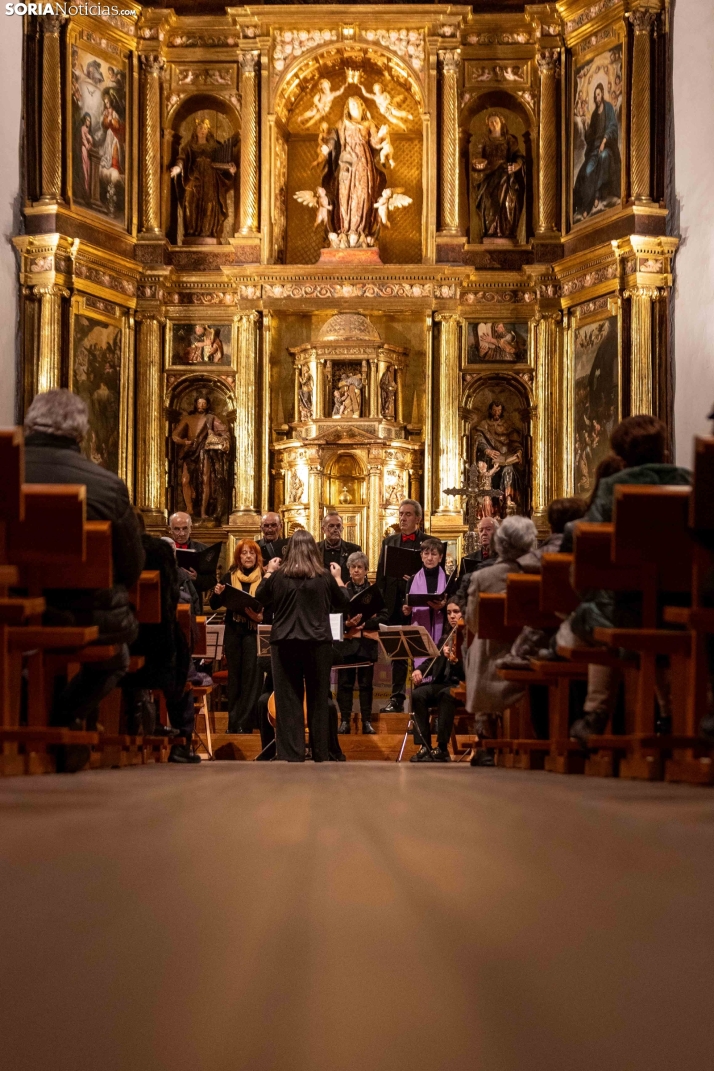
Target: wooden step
x,y
380,747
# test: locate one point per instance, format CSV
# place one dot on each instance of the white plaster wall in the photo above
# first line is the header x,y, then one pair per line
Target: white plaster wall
x,y
693,101
10,130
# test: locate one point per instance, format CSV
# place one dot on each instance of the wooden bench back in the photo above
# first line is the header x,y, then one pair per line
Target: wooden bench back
x,y
12,474
556,592
651,528
592,563
523,602
701,502
96,571
52,530
491,620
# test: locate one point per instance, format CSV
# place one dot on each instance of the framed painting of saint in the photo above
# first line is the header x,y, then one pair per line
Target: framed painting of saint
x,y
206,345
489,343
96,376
597,134
596,386
100,136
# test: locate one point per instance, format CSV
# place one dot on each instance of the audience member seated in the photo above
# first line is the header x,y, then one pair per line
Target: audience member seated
x,y
433,689
55,426
166,660
180,525
531,641
240,639
356,647
486,693
641,443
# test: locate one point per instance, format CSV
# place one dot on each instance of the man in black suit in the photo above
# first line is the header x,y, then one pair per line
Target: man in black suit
x,y
272,543
483,555
333,547
180,531
394,591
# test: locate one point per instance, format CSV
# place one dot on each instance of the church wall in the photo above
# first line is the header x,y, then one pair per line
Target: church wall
x,y
693,220
10,134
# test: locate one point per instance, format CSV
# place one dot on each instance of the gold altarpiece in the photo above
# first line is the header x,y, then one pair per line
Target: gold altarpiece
x,y
505,304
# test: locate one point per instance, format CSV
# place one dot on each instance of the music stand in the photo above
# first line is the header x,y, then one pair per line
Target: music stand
x,y
401,643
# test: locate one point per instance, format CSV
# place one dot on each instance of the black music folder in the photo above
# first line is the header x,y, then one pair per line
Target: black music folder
x,y
204,562
399,562
424,600
367,603
238,601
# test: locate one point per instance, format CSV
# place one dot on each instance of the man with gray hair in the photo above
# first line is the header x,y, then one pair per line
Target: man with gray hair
x,y
394,590
180,525
333,547
55,425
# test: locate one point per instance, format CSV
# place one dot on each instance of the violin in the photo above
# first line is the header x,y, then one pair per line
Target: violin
x,y
456,649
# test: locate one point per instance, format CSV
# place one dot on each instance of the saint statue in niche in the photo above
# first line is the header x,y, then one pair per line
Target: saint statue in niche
x,y
499,461
203,175
388,394
205,444
499,181
305,393
347,397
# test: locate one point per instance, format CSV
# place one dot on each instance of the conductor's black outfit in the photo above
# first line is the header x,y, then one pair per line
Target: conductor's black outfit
x,y
394,593
339,554
301,654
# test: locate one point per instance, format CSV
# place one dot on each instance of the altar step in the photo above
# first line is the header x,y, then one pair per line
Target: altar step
x,y
383,723
382,746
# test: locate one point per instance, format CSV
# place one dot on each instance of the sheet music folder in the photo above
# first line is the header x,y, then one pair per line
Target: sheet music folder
x,y
203,561
367,603
400,562
406,641
239,601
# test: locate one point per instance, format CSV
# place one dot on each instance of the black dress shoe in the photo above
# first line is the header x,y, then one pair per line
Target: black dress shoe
x,y
589,725
183,754
367,728
422,755
164,730
482,757
392,707
345,728
440,754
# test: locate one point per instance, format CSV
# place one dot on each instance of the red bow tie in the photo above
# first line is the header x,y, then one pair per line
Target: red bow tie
x,y
182,546
409,538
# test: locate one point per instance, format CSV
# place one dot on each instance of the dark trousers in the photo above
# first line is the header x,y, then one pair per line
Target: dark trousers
x,y
345,687
433,695
399,680
244,677
267,732
79,700
301,667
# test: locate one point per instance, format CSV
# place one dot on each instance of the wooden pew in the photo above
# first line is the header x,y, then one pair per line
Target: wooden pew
x,y
557,594
523,602
146,597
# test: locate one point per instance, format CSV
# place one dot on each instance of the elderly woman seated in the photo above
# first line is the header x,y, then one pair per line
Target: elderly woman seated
x,y
486,693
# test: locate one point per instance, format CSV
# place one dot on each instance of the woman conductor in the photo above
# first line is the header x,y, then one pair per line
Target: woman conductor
x,y
301,593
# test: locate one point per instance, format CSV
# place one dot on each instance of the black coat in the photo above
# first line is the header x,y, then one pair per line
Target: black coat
x,y
394,590
345,549
301,607
163,645
57,460
204,581
278,546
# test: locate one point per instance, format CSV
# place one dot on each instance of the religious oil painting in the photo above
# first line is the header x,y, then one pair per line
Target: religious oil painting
x,y
99,133
202,344
596,397
96,378
498,473
496,341
597,134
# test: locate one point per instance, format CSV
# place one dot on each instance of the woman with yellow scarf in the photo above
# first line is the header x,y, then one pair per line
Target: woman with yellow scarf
x,y
240,643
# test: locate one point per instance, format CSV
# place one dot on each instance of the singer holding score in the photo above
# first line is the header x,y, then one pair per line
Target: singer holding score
x,y
301,593
240,641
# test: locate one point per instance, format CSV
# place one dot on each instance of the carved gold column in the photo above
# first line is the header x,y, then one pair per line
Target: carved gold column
x,y
450,60
151,68
245,504
642,385
314,494
49,349
547,61
150,430
448,431
250,67
640,149
374,512
547,432
51,109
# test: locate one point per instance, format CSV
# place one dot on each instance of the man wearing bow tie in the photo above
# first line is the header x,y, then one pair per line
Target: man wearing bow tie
x,y
394,591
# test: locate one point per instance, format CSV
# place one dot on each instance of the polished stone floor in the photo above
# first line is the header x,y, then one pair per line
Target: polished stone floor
x,y
363,917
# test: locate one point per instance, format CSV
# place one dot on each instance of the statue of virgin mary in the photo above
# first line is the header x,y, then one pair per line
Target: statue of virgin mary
x,y
353,178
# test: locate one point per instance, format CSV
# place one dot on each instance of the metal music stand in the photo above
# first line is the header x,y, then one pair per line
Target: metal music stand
x,y
402,643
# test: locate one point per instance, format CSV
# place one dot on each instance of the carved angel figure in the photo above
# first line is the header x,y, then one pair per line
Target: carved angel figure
x,y
386,105
317,200
390,199
386,153
321,102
